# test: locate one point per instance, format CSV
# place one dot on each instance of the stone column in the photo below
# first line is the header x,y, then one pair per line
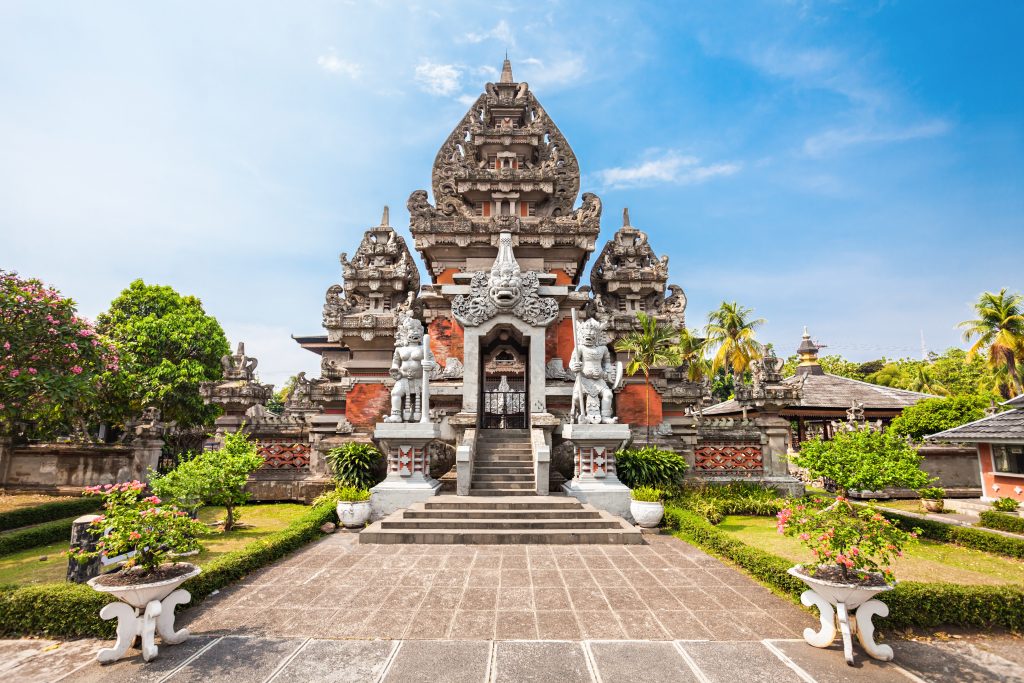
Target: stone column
x,y
408,480
145,456
595,481
82,536
6,454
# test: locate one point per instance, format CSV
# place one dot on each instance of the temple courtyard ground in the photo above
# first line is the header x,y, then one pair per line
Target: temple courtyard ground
x,y
665,611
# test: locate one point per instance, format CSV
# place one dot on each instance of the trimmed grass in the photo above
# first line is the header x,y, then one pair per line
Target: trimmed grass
x,y
909,505
26,568
15,501
925,560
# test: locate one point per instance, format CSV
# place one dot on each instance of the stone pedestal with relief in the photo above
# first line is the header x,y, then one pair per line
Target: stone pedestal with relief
x,y
594,480
408,481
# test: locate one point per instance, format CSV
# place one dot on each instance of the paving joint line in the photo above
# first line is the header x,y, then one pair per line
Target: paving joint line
x,y
191,659
588,657
390,660
492,656
287,660
690,662
785,659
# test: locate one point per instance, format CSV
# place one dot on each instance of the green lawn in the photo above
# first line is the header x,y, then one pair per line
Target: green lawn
x,y
924,561
29,567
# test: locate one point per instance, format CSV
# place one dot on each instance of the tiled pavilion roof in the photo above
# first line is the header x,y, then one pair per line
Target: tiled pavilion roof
x,y
1001,427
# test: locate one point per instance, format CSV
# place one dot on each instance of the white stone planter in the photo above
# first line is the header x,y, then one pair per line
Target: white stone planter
x,y
353,515
835,601
144,610
647,515
933,505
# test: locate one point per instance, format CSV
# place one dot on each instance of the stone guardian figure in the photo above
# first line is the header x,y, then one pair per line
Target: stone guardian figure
x,y
596,375
411,364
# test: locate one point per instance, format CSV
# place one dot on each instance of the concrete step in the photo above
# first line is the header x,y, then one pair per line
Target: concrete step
x,y
626,535
545,513
487,524
473,491
501,484
501,460
502,469
534,502
502,476
490,449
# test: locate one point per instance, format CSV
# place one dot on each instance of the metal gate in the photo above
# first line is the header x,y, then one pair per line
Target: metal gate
x,y
504,403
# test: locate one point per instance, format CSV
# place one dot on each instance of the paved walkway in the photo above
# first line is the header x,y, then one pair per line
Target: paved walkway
x,y
341,611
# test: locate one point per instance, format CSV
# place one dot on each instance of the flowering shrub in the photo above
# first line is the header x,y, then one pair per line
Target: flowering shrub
x,y
50,359
853,539
133,521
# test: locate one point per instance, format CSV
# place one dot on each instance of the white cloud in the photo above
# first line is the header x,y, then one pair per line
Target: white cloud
x,y
333,64
438,79
839,138
553,72
671,168
501,32
466,100
488,71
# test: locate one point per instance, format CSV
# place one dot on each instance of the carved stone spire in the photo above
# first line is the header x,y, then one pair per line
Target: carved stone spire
x,y
384,219
506,71
625,217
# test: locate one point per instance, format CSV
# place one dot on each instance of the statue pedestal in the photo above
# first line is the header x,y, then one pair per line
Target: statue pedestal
x,y
595,481
408,480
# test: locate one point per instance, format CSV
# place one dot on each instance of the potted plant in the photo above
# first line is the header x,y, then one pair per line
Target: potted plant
x,y
646,506
932,498
149,534
353,506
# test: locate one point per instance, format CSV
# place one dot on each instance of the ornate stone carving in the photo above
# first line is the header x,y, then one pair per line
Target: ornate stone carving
x,y
505,289
238,366
453,369
555,370
767,392
596,375
237,391
411,366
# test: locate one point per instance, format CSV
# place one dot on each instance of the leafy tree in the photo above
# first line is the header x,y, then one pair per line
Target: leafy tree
x,y
691,354
863,459
653,345
960,375
731,330
934,415
999,327
722,385
924,381
185,486
51,360
168,345
225,472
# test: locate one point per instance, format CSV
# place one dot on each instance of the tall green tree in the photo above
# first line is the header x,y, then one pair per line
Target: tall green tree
x,y
168,344
923,380
653,345
691,354
732,331
999,327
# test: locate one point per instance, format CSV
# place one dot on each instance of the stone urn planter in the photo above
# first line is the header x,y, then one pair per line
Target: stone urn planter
x,y
836,601
353,514
933,505
647,514
145,608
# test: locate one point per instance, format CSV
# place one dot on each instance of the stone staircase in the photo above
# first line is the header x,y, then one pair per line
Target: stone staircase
x,y
503,464
554,519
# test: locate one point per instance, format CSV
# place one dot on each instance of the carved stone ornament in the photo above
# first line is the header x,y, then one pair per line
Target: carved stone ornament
x,y
596,374
453,369
411,365
505,289
239,365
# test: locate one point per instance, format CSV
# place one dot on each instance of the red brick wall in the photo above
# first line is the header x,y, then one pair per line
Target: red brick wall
x,y
630,405
367,404
561,277
558,341
989,477
446,339
447,277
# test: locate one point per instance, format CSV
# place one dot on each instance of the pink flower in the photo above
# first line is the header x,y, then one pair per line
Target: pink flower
x,y
135,535
15,373
32,371
152,499
855,551
77,369
7,346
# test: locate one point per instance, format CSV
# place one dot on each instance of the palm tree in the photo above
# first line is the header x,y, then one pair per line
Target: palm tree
x,y
653,345
691,354
1000,327
732,331
925,383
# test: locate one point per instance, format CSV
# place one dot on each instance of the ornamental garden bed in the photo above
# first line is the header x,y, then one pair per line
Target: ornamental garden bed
x,y
25,567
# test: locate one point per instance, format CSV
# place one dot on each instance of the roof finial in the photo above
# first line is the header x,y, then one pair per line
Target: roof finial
x,y
384,218
806,333
506,71
625,217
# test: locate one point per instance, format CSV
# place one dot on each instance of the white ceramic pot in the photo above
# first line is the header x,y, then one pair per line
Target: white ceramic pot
x,y
853,596
932,505
647,515
139,595
353,515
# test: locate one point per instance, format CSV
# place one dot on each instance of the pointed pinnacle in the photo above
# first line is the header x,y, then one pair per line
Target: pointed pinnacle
x,y
506,71
384,218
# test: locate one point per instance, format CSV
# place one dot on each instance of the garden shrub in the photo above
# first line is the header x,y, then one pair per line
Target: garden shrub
x,y
1005,504
32,537
72,610
355,464
647,494
910,603
934,415
650,466
1002,521
47,512
713,502
968,537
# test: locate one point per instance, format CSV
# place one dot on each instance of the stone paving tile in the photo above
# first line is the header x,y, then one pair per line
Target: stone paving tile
x,y
730,662
600,625
558,625
968,664
473,624
541,662
133,668
437,661
516,625
237,659
829,665
430,624
337,661
628,662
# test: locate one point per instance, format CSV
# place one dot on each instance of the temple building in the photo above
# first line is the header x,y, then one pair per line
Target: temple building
x,y
506,345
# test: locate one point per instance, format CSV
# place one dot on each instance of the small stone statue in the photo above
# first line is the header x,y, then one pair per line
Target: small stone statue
x,y
596,375
410,366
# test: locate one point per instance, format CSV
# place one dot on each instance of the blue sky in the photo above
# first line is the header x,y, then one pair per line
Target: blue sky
x,y
856,167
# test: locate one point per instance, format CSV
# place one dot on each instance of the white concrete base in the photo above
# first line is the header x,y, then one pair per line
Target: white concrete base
x,y
610,495
397,493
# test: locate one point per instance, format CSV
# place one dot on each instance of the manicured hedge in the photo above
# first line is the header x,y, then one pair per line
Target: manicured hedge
x,y
48,512
993,519
968,537
910,603
34,536
72,610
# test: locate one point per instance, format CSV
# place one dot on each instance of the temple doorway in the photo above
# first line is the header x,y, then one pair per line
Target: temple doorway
x,y
504,354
